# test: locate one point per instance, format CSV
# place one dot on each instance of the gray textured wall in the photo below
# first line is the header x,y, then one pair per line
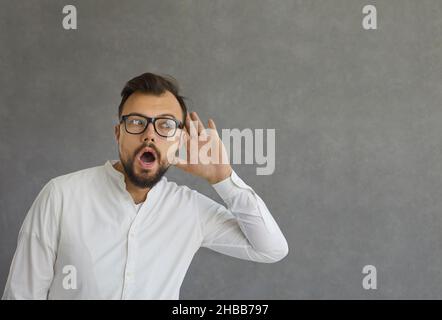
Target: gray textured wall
x,y
357,114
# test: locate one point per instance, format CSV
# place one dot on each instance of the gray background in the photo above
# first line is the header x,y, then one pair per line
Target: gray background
x,y
357,116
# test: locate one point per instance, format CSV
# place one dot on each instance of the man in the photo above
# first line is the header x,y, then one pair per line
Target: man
x,y
122,230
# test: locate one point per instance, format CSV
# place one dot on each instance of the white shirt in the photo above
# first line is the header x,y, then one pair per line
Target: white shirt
x,y
82,238
138,206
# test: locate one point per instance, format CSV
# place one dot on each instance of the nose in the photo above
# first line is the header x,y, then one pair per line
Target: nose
x,y
149,134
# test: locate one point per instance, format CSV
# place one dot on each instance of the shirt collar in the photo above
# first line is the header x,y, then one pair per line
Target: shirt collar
x,y
114,174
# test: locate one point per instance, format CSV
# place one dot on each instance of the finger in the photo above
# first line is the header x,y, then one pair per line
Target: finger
x,y
187,123
212,126
191,128
201,129
184,143
187,139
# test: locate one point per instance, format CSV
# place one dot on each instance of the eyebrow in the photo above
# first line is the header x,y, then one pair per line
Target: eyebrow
x,y
166,114
159,115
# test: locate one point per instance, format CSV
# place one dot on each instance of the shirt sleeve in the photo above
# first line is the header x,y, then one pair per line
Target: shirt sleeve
x,y
32,267
245,229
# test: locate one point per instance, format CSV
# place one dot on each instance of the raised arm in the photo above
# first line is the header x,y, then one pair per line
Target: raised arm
x,y
245,229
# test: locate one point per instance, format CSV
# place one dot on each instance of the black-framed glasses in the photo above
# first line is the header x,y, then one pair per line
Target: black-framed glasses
x,y
135,123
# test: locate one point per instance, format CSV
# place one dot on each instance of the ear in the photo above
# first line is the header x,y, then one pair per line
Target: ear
x,y
183,138
117,132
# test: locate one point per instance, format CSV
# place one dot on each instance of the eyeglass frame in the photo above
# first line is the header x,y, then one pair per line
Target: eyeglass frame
x,y
180,124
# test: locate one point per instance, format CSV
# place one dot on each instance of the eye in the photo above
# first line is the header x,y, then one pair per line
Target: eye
x,y
136,122
167,124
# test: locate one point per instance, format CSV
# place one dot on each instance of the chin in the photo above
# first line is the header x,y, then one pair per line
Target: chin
x,y
145,172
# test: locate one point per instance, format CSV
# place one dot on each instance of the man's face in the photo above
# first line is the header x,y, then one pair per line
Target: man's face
x,y
142,170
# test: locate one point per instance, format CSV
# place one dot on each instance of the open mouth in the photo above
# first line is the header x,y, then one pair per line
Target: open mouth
x,y
147,158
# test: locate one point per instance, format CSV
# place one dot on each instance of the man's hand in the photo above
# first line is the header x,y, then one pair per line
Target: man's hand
x,y
206,154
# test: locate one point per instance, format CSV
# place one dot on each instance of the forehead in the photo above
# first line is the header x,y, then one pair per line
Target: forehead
x,y
151,105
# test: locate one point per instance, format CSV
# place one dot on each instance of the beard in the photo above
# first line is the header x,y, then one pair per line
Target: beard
x,y
144,179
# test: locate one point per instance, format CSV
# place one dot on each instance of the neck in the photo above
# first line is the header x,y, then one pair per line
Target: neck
x,y
138,194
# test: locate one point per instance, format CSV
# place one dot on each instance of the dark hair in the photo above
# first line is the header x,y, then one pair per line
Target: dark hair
x,y
152,84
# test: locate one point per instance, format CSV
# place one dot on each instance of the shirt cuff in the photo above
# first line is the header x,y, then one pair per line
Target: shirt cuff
x,y
227,187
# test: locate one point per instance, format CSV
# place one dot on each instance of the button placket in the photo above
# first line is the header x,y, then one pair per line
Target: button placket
x,y
131,257
129,272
